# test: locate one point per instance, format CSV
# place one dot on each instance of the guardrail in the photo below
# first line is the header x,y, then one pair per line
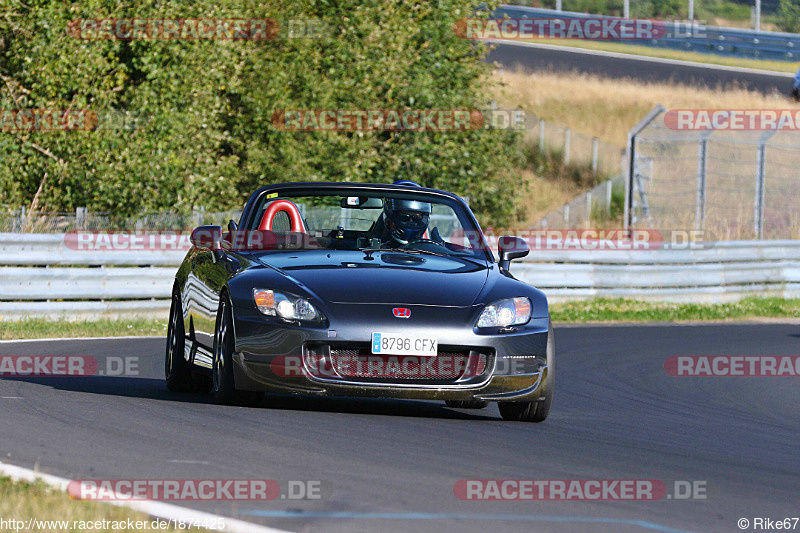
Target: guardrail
x,y
124,283
692,37
40,276
725,271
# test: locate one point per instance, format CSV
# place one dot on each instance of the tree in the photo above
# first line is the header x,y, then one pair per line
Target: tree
x,y
789,16
205,137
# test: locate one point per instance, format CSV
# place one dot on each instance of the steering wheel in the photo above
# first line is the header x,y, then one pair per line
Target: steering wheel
x,y
424,242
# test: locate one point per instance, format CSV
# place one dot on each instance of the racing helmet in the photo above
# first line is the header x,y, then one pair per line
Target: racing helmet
x,y
406,220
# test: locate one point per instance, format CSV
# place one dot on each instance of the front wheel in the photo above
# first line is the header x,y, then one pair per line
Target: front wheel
x,y
223,385
535,411
177,370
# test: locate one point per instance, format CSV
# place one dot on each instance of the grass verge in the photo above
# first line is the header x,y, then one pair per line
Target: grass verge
x,y
56,512
620,310
38,328
666,53
597,310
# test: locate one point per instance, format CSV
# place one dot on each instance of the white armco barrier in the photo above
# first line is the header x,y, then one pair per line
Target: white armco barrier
x,y
40,276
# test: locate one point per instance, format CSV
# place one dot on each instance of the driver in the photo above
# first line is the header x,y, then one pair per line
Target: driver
x,y
404,221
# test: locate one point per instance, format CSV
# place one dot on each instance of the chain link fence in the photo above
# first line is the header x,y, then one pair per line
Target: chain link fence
x,y
600,206
735,185
574,148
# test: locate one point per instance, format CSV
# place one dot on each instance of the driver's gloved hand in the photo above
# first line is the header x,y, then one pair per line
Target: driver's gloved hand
x,y
435,236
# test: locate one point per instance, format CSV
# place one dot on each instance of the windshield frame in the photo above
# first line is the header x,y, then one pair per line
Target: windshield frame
x,y
287,190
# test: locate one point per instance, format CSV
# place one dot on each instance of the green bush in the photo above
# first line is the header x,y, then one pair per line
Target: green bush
x,y
208,139
789,16
604,216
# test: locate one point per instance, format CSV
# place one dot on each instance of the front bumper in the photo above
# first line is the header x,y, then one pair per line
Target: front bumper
x,y
515,369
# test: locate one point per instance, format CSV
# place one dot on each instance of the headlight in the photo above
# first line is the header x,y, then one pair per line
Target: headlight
x,y
508,312
285,305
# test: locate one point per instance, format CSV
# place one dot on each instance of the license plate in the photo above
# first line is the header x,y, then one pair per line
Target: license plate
x,y
399,344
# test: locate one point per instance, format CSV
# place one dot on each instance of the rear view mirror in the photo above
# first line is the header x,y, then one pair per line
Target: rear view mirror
x,y
361,202
207,237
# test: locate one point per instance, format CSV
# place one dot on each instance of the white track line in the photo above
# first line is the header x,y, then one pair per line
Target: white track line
x,y
162,510
10,341
648,59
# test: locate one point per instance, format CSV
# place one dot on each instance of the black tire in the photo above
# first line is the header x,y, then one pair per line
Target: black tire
x,y
467,404
177,370
222,380
539,410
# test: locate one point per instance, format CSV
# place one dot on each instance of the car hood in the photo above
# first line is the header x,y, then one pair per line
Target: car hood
x,y
388,277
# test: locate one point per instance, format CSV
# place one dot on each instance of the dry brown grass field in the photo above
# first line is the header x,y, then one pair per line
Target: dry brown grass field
x,y
608,108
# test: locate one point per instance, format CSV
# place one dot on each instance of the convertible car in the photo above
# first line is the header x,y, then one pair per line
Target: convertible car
x,y
347,289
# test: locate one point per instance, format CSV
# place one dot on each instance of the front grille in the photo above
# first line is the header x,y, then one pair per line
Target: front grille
x,y
357,363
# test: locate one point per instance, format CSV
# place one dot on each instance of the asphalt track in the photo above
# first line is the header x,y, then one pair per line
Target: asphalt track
x,y
535,57
391,465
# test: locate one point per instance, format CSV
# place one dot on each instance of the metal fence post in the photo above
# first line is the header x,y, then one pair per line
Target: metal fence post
x,y
541,135
566,215
588,206
758,210
80,217
702,167
761,157
566,146
630,167
639,185
608,197
198,213
594,154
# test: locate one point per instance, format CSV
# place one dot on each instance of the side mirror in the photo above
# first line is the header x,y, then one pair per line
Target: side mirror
x,y
207,237
511,248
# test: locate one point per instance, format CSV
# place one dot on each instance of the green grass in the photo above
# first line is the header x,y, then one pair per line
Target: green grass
x,y
22,501
597,310
42,329
663,53
619,310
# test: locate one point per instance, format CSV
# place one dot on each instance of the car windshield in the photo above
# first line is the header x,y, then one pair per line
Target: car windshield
x,y
414,222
